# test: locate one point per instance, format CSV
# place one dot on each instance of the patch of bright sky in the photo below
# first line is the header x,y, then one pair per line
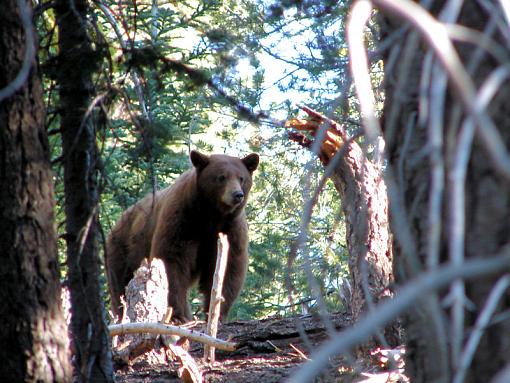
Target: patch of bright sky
x,y
285,48
280,64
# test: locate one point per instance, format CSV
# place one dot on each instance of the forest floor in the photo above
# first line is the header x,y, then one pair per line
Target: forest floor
x,y
268,351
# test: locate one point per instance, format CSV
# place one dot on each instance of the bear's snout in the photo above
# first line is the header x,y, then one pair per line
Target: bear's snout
x,y
233,197
238,196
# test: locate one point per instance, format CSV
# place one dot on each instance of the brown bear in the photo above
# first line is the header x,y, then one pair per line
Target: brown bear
x,y
180,225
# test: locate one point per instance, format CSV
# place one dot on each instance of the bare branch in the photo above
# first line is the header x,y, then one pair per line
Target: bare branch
x,y
135,75
407,296
216,294
436,34
506,10
481,323
360,14
159,328
457,179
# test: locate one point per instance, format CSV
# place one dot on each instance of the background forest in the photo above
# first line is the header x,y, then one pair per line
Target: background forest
x,y
150,112
406,115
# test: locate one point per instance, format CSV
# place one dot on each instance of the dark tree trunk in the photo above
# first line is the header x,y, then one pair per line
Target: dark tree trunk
x,y
487,198
362,191
77,60
33,333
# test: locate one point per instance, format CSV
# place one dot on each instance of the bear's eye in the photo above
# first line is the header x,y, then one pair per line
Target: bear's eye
x,y
221,178
241,179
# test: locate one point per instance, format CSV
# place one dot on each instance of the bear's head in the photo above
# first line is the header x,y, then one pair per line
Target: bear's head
x,y
223,181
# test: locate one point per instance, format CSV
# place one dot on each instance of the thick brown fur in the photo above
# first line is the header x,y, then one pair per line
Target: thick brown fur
x,y
180,226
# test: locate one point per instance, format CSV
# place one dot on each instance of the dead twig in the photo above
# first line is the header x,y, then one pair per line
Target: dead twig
x,y
216,297
189,371
299,352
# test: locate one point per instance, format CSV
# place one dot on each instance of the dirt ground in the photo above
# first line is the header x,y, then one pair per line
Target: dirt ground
x,y
268,351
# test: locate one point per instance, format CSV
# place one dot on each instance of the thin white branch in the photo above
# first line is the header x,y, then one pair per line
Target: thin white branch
x,y
482,40
505,4
28,58
360,14
436,34
457,287
135,75
450,11
407,296
481,323
300,242
216,294
435,131
160,328
423,93
437,88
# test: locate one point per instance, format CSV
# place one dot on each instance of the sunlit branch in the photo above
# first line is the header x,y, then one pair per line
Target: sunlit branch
x,y
360,14
160,328
506,10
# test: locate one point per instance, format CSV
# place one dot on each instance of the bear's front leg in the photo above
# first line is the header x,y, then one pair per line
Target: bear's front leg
x,y
178,257
178,284
234,280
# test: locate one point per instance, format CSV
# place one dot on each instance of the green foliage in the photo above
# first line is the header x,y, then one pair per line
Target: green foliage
x,y
275,214
189,74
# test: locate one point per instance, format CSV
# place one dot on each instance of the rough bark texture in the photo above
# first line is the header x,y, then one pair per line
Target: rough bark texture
x,y
487,205
146,301
146,293
77,60
365,207
33,334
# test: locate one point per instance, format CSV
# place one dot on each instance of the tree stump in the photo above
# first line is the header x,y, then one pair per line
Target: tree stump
x,y
146,301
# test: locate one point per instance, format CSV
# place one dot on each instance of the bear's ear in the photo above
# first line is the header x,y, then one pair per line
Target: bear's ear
x,y
198,159
251,161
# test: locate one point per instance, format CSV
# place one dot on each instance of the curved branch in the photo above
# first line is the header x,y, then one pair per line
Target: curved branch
x,y
28,58
436,34
407,296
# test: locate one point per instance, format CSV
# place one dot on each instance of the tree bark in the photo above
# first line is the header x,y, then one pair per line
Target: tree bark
x,y
486,206
33,334
365,206
77,60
